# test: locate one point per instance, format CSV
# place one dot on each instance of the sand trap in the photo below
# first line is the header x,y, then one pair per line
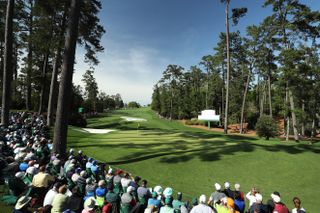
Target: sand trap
x,y
98,131
133,119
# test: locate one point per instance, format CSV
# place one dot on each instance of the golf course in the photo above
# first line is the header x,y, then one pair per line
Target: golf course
x,y
191,160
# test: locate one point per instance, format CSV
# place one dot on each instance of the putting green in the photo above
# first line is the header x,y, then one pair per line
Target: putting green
x,y
191,160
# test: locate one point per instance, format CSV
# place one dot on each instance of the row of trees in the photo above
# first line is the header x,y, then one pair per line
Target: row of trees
x,y
37,46
274,69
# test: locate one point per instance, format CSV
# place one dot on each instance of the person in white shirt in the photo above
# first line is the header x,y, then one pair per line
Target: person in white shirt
x,y
251,196
201,207
51,194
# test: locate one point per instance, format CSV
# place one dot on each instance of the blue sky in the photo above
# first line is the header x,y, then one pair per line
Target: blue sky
x,y
144,36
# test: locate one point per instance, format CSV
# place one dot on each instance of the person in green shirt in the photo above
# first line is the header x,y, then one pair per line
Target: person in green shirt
x,y
177,203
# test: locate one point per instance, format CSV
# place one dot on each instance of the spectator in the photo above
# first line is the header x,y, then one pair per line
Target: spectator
x,y
60,201
297,205
217,195
16,184
227,191
75,201
177,203
201,207
127,199
278,206
48,199
251,196
42,179
167,208
143,193
239,203
258,207
89,205
153,201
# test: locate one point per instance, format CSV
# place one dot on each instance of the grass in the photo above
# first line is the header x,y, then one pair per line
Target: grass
x,y
191,160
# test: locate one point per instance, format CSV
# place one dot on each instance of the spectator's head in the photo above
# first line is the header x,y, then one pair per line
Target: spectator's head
x,y
63,189
237,187
158,189
83,174
179,196
276,197
202,199
137,179
42,169
80,152
130,189
19,175
127,175
226,185
144,183
110,187
217,186
101,183
56,186
296,202
254,190
194,201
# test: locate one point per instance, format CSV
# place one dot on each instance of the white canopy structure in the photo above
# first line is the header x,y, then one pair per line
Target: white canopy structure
x,y
209,115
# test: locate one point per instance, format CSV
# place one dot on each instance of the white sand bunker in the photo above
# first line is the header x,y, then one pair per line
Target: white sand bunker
x,y
133,119
98,131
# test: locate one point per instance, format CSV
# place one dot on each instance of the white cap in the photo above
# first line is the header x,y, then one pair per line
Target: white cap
x,y
276,198
217,186
227,185
202,199
237,186
19,174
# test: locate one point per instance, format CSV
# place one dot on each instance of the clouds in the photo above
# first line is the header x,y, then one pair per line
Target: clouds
x,y
131,71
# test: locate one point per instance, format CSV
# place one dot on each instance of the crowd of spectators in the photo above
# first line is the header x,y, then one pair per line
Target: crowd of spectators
x,y
39,180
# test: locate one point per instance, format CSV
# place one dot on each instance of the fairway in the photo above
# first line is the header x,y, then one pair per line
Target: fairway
x,y
190,160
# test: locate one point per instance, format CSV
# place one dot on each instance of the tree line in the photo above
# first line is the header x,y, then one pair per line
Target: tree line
x,y
273,69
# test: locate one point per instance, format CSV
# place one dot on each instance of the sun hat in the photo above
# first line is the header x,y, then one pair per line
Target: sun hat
x,y
89,204
202,199
258,197
168,192
226,185
24,200
217,186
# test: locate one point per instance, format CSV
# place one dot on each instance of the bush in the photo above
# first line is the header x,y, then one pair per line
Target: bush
x,y
266,127
76,119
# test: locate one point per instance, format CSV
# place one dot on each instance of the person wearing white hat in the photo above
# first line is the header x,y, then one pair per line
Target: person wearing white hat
x,y
258,206
217,195
22,204
89,205
278,205
60,200
127,200
227,191
201,207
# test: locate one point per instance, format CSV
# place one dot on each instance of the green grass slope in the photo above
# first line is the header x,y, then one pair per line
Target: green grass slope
x,y
191,160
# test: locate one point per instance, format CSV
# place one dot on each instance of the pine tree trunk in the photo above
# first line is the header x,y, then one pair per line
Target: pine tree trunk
x,y
29,59
262,99
244,101
287,118
63,108
228,70
269,95
303,122
293,115
53,87
7,70
43,83
222,96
